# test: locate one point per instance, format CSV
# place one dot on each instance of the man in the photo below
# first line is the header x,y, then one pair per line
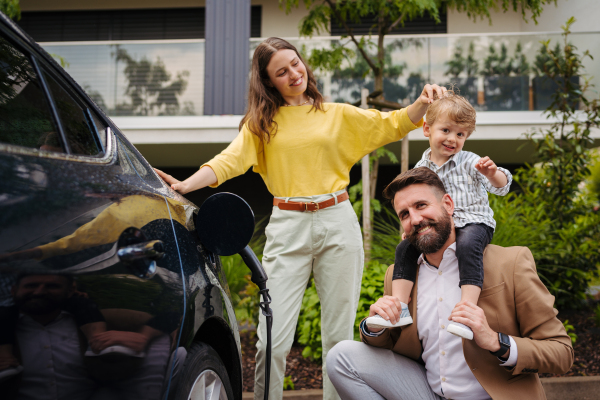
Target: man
x,y
516,332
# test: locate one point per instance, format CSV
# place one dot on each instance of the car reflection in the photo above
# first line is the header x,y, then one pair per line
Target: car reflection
x,y
56,343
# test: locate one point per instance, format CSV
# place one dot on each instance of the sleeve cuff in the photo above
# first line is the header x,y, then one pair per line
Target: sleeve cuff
x,y
365,331
502,191
512,357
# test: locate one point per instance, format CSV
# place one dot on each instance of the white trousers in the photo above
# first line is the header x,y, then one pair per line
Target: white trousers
x,y
327,243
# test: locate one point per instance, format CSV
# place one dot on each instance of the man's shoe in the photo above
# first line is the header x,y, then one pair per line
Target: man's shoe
x,y
377,322
460,330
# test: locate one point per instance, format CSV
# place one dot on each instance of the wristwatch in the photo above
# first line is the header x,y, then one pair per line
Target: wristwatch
x,y
504,345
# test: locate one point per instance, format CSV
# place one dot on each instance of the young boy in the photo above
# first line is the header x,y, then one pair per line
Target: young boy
x,y
466,177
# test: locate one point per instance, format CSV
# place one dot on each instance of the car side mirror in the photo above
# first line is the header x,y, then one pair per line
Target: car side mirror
x,y
225,225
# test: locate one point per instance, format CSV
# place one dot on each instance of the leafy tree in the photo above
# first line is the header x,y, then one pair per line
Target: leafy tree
x,y
150,86
11,9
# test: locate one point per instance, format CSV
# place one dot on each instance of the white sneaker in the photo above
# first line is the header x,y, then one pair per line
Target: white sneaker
x,y
377,322
10,371
460,330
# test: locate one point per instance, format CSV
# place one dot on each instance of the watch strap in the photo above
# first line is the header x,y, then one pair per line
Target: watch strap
x,y
504,345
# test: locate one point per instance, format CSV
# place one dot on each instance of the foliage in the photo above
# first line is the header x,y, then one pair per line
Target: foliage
x,y
459,64
11,9
570,331
593,181
497,63
597,316
150,86
288,383
552,215
520,66
244,293
544,64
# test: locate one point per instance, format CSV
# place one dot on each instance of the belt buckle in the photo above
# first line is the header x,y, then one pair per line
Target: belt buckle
x,y
311,202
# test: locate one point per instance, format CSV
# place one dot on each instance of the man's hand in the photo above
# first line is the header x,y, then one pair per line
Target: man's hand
x,y
490,170
7,361
133,340
472,316
388,307
417,110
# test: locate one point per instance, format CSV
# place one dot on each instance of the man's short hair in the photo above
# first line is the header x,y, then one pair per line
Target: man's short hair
x,y
416,176
455,107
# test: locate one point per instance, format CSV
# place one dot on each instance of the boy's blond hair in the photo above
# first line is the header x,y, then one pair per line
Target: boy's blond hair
x,y
457,108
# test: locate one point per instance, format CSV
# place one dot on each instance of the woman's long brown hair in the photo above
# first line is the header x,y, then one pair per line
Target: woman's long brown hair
x,y
263,99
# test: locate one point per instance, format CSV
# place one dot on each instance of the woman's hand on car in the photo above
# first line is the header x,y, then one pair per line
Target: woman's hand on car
x,y
175,184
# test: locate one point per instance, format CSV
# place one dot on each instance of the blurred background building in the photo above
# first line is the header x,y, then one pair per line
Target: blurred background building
x,y
173,74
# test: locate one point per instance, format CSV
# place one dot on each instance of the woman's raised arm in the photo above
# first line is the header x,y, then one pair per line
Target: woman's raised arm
x,y
205,176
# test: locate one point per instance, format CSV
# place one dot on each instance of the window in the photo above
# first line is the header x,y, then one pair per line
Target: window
x,y
25,116
78,127
140,24
419,25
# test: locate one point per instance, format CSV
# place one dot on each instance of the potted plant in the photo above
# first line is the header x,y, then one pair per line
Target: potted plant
x,y
459,65
547,62
506,83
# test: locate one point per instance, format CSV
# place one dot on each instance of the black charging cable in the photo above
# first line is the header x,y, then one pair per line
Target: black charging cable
x,y
268,313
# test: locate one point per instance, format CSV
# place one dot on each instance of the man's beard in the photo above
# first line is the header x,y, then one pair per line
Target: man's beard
x,y
433,241
39,305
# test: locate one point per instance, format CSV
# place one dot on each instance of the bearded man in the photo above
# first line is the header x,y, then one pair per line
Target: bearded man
x,y
516,332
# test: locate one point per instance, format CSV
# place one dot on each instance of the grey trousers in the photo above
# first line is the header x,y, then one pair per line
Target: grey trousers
x,y
363,372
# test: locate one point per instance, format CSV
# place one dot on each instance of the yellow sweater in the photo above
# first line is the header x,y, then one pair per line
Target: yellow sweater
x,y
311,153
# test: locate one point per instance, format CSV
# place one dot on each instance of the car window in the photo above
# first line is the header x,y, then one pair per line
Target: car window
x,y
100,127
75,119
137,162
25,116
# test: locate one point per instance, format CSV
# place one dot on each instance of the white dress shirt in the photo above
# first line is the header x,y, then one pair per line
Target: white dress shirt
x,y
447,371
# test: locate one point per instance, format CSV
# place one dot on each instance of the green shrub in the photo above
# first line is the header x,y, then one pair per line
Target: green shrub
x,y
551,214
244,293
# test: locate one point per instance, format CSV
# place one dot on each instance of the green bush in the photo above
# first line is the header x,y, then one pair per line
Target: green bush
x,y
551,214
244,293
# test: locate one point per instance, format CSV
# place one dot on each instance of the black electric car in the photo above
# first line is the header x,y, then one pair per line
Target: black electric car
x,y
106,291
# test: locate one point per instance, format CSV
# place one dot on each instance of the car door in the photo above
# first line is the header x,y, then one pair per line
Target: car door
x,y
91,280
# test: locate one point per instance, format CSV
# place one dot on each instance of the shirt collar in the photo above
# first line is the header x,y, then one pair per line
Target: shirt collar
x,y
453,158
449,254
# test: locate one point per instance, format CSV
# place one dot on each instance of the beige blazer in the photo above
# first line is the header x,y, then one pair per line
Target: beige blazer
x,y
515,302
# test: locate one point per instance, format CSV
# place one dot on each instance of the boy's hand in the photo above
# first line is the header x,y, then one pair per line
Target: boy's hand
x,y
490,170
487,167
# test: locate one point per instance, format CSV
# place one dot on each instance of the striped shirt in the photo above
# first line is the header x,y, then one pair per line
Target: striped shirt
x,y
467,187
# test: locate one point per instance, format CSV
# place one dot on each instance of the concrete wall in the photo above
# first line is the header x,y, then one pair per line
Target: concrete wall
x,y
275,22
552,17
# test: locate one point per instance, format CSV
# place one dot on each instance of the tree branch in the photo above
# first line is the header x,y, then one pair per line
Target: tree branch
x,y
351,34
396,22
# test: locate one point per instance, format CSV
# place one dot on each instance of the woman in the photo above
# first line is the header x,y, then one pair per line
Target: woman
x,y
304,149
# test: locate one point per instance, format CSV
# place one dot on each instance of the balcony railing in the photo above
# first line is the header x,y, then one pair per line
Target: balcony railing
x,y
496,72
138,78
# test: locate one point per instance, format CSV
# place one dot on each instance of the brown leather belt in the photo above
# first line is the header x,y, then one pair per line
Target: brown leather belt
x,y
309,206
